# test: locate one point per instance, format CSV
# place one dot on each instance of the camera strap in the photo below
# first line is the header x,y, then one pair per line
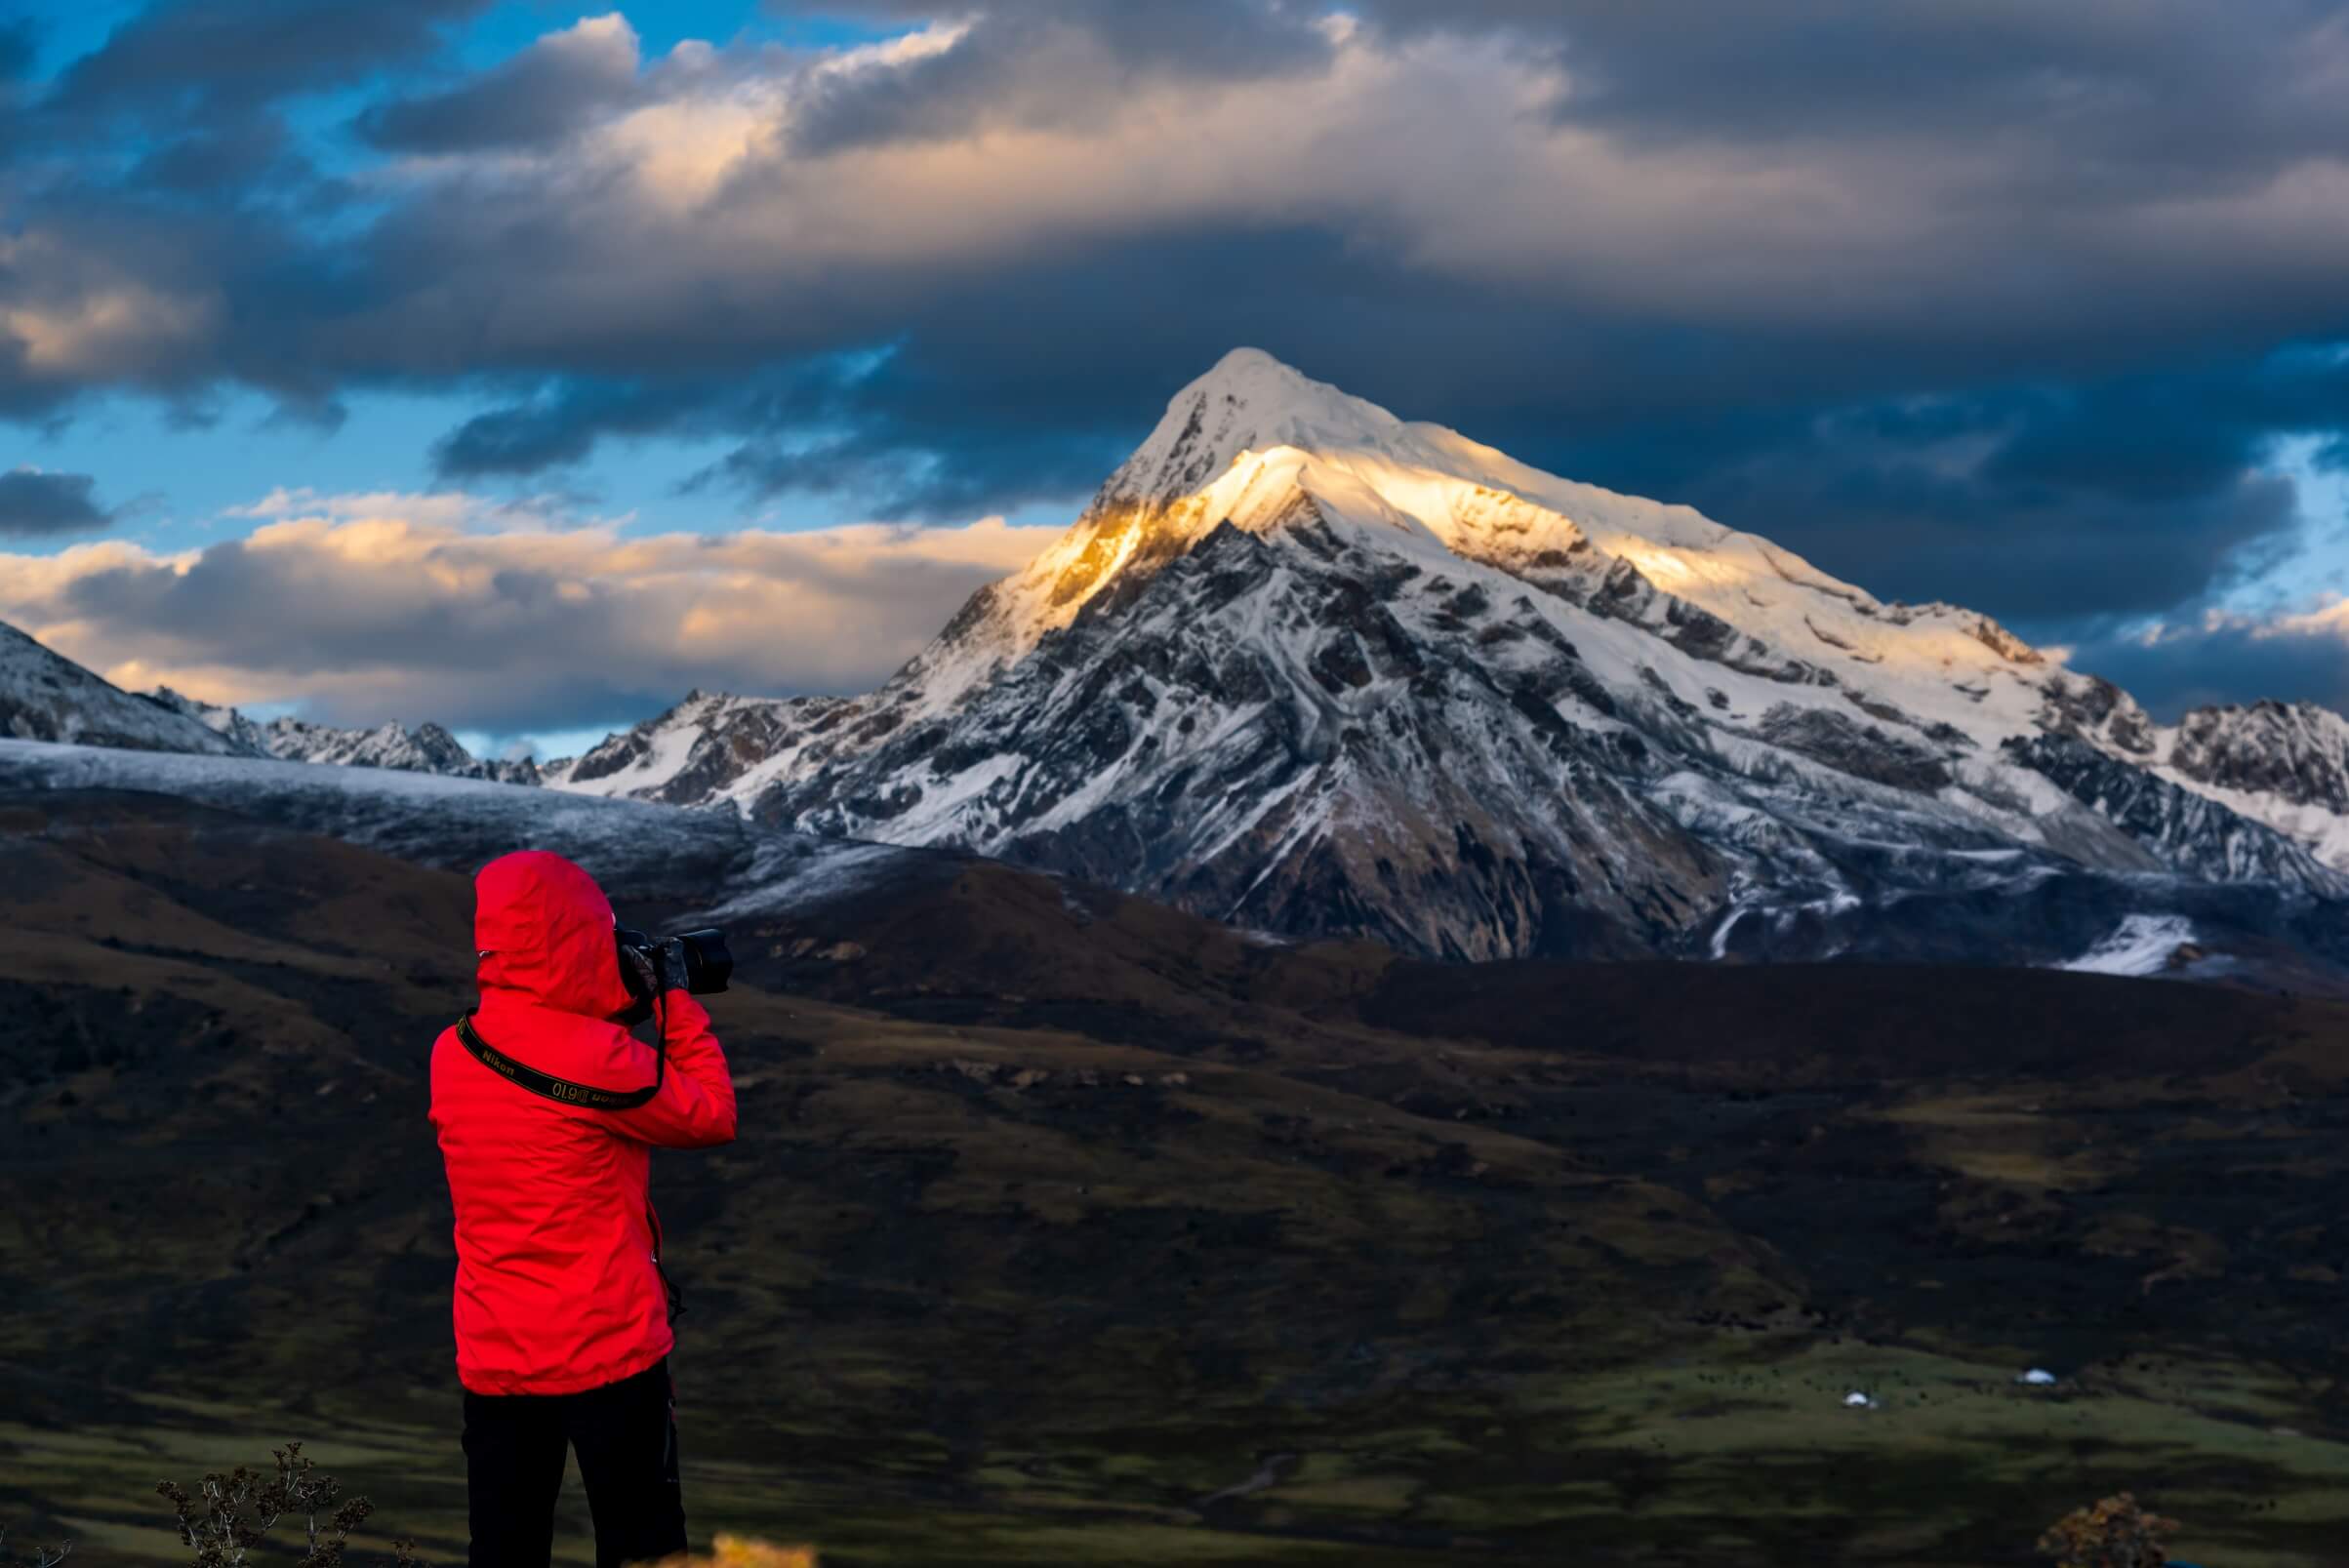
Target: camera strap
x,y
523,1076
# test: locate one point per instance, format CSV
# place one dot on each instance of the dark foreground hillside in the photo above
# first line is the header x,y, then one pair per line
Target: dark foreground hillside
x,y
1067,1230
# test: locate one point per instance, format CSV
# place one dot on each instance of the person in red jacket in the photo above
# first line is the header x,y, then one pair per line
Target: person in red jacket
x,y
561,1308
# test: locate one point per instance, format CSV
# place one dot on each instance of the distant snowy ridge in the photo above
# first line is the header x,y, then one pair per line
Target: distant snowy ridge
x,y
719,866
1312,669
425,748
45,695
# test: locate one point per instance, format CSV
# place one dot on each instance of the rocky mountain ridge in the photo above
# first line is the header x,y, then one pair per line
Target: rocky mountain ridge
x,y
1305,667
44,695
425,748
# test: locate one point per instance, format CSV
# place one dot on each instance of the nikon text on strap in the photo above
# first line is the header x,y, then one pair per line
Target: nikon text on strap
x,y
526,1077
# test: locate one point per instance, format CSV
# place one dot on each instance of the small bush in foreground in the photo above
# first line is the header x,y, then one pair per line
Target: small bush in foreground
x,y
2114,1534
227,1515
42,1556
733,1551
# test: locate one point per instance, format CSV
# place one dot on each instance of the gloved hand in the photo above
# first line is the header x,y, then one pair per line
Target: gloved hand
x,y
671,965
647,969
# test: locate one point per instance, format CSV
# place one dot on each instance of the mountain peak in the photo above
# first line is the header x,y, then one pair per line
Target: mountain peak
x,y
1249,401
1272,387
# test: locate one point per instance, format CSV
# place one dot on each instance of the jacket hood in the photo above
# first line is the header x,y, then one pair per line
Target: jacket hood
x,y
542,928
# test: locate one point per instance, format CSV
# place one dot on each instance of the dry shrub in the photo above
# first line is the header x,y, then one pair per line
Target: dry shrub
x,y
227,1517
2114,1534
42,1557
733,1551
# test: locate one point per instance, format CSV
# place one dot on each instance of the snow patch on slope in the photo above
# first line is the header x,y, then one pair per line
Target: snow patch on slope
x,y
2142,945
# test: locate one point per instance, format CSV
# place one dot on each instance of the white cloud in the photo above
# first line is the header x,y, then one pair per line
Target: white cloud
x,y
363,607
453,508
2330,619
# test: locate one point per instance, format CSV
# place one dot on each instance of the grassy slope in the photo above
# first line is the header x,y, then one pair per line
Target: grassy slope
x,y
1064,1229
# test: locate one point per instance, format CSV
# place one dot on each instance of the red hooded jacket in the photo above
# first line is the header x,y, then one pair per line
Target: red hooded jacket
x,y
556,1286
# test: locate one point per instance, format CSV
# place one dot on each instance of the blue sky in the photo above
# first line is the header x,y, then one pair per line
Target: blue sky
x,y
68,32
180,482
182,469
454,314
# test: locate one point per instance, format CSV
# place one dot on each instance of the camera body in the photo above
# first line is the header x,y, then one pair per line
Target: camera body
x,y
695,961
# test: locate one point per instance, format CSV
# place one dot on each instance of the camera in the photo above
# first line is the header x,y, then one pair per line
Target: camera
x,y
646,964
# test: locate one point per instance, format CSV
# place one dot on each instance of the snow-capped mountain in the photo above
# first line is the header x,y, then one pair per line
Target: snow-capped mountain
x,y
696,753
1306,666
425,748
45,695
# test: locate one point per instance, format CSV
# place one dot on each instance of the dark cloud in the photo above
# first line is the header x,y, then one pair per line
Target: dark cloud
x,y
475,276
890,473
2048,505
888,431
2169,91
162,215
241,53
992,389
178,118
34,504
525,439
564,424
1054,63
541,95
1981,300
239,154
1914,522
2177,433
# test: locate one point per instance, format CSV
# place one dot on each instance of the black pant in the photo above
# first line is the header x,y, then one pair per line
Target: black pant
x,y
626,1435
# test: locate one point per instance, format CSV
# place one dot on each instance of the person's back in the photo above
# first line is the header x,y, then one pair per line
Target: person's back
x,y
561,1308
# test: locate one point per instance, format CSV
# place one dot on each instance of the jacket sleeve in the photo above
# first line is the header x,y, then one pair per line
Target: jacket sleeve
x,y
694,1108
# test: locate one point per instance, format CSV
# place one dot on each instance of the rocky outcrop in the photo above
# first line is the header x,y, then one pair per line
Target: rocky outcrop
x,y
2295,751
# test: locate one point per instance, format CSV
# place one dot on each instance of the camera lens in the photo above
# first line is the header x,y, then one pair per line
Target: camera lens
x,y
709,964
